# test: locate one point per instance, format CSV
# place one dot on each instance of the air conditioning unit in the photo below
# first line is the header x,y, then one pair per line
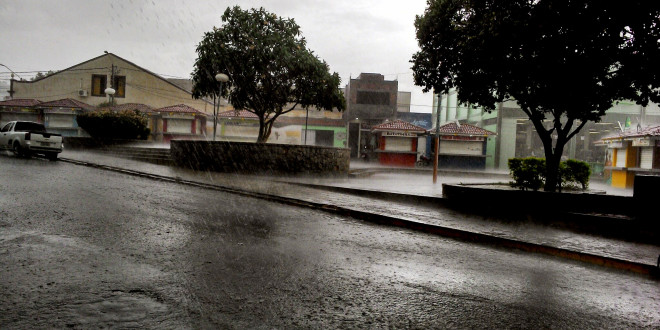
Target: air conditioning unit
x,y
82,92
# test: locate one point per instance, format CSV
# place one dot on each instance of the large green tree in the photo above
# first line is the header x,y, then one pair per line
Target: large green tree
x,y
270,69
564,62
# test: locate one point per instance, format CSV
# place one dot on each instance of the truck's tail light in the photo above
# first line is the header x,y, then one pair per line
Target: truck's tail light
x,y
27,136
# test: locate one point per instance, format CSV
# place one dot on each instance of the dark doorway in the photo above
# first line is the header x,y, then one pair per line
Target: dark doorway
x,y
353,138
325,138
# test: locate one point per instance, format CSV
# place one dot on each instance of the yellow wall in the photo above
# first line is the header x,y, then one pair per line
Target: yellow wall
x,y
141,86
622,179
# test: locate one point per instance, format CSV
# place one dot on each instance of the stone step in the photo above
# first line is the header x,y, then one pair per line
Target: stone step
x,y
159,156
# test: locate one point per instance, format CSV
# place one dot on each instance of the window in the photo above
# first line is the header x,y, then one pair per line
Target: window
x,y
120,86
6,128
26,126
98,85
373,98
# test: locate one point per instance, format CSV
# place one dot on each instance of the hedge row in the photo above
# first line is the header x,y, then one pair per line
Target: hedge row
x,y
529,173
126,124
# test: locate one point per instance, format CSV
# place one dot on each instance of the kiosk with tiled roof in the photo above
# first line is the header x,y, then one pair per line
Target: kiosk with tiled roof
x,y
462,146
632,152
182,122
397,142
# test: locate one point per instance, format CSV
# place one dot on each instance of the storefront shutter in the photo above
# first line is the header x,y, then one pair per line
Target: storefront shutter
x,y
398,143
11,116
61,121
646,159
461,147
179,125
620,157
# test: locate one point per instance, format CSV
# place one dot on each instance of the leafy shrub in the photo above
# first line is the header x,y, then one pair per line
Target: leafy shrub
x,y
575,172
106,124
529,173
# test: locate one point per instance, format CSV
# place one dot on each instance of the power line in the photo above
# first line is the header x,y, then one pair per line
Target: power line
x,y
58,72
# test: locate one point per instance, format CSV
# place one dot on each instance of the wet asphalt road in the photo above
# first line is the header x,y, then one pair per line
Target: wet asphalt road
x,y
86,248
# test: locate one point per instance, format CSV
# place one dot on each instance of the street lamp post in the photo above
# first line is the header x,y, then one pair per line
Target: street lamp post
x,y
110,92
220,77
437,141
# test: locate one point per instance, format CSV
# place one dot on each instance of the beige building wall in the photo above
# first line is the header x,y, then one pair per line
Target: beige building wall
x,y
403,101
142,86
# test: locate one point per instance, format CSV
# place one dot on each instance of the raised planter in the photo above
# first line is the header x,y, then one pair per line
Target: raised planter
x,y
506,199
243,157
612,216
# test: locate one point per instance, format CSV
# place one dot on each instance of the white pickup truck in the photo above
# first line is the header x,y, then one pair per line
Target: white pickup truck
x,y
27,137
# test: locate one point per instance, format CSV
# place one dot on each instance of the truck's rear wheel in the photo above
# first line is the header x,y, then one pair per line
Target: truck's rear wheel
x,y
52,156
17,149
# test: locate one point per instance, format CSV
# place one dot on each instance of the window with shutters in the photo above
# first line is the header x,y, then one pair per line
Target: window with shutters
x,y
99,83
120,86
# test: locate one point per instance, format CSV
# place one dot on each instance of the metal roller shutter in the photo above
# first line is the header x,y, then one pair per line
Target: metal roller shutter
x,y
646,158
55,120
398,144
9,116
620,157
461,147
179,125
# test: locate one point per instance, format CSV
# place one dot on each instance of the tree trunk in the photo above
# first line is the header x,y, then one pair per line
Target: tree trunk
x,y
264,131
552,161
551,172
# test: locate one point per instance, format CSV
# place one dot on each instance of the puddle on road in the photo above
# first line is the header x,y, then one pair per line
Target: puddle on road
x,y
120,307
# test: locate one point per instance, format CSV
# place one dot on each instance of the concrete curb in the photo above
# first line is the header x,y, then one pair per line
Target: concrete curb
x,y
457,234
368,171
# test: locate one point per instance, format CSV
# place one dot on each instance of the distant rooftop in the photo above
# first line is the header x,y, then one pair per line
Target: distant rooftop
x,y
67,103
131,106
179,108
20,103
462,129
398,125
648,131
237,114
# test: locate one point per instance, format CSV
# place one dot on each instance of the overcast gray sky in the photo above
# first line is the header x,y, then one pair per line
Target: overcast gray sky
x,y
353,36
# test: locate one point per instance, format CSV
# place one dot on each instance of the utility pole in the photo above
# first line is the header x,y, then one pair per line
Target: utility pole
x,y
437,138
112,80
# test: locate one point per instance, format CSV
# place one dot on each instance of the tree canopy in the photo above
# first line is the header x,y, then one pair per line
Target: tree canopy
x,y
41,75
565,61
270,69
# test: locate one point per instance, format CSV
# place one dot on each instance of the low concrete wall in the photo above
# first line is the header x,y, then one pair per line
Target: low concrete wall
x,y
512,200
608,215
257,158
645,194
76,142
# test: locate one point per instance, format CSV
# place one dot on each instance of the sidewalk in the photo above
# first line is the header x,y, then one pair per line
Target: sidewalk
x,y
420,215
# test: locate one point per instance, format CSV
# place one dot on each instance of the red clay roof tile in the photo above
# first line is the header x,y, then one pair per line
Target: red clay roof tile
x,y
67,103
462,129
20,103
179,108
131,106
648,131
237,114
398,125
